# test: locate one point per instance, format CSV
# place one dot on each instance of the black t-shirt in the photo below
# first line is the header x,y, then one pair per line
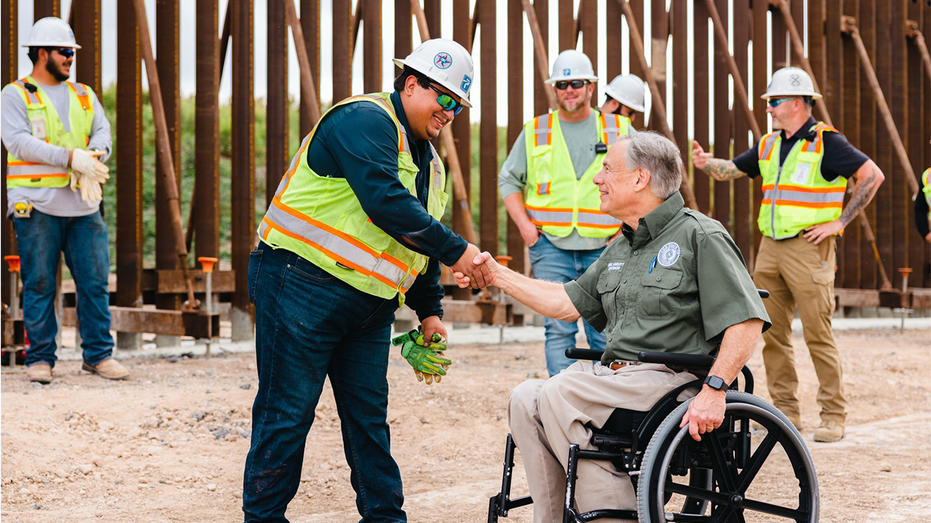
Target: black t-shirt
x,y
840,158
921,211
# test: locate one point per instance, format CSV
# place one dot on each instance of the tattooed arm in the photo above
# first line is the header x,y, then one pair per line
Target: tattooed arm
x,y
720,170
868,179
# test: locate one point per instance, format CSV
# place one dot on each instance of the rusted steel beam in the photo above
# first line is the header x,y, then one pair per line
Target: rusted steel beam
x,y
474,27
372,59
308,91
225,36
9,12
488,130
739,86
613,39
354,23
918,251
636,7
760,79
660,32
242,162
798,47
915,35
310,25
568,29
43,8
432,10
204,218
276,107
155,321
128,147
539,53
658,109
86,25
542,93
463,32
850,28
166,174
515,109
701,107
721,207
588,24
465,311
744,218
167,47
901,208
172,281
342,50
403,34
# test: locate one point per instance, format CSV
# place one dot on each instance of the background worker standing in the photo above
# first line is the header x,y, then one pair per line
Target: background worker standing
x,y
351,234
805,166
624,97
923,205
57,134
554,159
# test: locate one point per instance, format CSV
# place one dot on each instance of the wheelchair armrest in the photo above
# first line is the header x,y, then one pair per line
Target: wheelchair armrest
x,y
691,361
584,354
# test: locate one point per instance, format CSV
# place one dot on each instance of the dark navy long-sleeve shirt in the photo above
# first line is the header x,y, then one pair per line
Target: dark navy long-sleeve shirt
x,y
359,142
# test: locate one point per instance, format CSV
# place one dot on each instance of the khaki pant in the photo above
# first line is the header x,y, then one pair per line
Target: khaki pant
x,y
799,273
546,416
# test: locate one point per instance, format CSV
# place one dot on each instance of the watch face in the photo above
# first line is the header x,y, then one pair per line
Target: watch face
x,y
715,382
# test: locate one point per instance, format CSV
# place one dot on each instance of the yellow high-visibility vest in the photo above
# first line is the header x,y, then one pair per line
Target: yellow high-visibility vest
x,y
47,126
795,194
926,181
320,218
556,200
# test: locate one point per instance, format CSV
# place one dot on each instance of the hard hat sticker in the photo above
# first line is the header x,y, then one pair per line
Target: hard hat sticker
x,y
668,254
442,60
466,83
567,72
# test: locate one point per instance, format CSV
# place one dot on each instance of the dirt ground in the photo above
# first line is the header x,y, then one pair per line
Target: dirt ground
x,y
169,444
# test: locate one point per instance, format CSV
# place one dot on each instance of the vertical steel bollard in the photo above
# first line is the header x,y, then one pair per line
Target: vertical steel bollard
x,y
15,313
207,265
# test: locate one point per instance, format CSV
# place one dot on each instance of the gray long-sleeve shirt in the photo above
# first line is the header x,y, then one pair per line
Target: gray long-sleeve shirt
x,y
16,133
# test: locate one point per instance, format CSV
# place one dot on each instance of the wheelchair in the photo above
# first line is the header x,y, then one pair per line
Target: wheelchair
x,y
754,467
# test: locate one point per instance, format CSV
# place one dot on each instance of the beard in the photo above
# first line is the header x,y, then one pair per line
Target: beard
x,y
55,71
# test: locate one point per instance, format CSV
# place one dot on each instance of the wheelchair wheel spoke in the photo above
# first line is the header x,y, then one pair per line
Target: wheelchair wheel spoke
x,y
775,510
722,466
693,492
757,460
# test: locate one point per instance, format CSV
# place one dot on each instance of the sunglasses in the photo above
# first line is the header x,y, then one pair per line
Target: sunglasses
x,y
447,102
576,84
775,103
66,52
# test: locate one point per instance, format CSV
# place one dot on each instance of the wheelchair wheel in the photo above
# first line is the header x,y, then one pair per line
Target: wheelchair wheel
x,y
754,468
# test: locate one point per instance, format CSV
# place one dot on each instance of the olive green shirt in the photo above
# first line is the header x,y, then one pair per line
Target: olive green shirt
x,y
674,285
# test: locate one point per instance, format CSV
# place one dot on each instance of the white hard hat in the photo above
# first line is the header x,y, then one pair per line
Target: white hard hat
x,y
51,32
445,62
628,90
572,65
790,81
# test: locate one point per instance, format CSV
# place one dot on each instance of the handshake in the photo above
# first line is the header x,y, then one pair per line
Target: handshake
x,y
474,268
88,174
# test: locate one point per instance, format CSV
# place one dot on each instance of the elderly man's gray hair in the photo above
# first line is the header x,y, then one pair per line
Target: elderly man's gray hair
x,y
657,155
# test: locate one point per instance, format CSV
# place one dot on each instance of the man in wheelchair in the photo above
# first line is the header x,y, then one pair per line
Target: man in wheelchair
x,y
674,283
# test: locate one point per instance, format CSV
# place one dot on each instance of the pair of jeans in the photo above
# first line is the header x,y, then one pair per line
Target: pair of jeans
x,y
40,240
310,326
554,264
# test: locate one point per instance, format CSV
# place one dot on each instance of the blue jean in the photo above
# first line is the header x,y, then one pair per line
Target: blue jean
x,y
554,264
40,240
310,326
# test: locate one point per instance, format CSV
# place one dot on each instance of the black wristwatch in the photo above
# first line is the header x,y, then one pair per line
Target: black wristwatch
x,y
715,382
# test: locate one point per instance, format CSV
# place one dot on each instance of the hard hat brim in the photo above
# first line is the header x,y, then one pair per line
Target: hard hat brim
x,y
552,80
54,44
767,96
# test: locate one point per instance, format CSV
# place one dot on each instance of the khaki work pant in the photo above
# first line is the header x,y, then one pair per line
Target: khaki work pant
x,y
547,415
799,273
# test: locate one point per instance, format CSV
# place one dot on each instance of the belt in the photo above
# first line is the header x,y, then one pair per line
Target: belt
x,y
620,364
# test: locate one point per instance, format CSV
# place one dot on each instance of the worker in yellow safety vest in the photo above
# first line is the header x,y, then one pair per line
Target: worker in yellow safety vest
x,y
805,165
352,233
547,186
57,137
923,205
624,97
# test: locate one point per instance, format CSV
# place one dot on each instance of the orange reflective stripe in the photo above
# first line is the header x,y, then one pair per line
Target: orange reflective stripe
x,y
17,163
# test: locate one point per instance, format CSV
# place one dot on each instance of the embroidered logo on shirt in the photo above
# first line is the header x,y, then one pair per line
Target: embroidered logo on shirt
x,y
615,266
668,254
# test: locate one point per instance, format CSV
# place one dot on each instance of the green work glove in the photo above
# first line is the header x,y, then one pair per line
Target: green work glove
x,y
428,360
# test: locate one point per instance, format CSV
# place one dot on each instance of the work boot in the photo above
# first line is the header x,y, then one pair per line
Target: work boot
x,y
830,431
108,368
40,373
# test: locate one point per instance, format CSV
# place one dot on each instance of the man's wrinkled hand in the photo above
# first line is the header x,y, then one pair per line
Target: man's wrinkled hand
x,y
817,233
478,276
484,260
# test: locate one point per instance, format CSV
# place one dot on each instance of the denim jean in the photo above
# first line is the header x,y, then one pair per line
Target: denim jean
x,y
553,264
40,240
310,326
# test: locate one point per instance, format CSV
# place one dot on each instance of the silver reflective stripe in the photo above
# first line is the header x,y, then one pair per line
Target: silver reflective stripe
x,y
770,142
263,226
550,216
31,96
611,130
334,246
35,170
586,218
542,132
804,197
